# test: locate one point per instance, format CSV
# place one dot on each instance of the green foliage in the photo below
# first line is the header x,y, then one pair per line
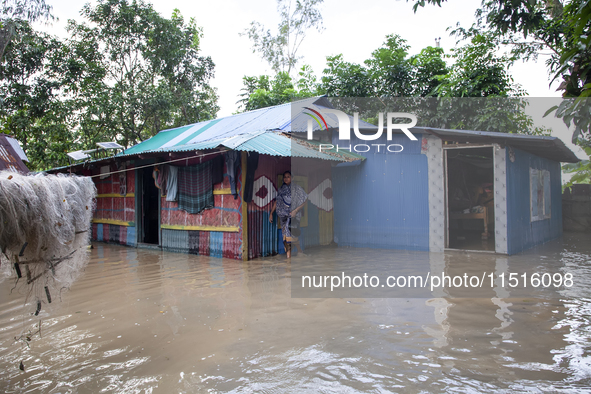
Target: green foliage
x,y
261,91
31,90
280,49
18,13
429,71
307,84
388,73
581,171
124,74
154,75
344,79
478,71
390,69
391,73
532,26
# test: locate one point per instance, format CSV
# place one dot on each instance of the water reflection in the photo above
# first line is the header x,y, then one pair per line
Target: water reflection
x,y
147,321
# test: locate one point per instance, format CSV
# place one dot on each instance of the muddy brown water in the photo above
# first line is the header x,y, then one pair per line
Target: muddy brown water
x,y
143,321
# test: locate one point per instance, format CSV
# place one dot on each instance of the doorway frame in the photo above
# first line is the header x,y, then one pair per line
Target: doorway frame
x,y
447,147
139,209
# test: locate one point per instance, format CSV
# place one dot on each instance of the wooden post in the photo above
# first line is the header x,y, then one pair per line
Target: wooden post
x,y
244,211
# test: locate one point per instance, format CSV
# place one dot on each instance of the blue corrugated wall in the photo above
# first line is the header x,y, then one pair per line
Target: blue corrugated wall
x,y
522,233
383,202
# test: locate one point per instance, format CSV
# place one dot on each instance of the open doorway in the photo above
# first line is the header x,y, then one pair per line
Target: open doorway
x,y
150,209
470,198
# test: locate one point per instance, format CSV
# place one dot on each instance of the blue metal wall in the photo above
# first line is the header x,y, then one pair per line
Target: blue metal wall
x,y
522,233
383,202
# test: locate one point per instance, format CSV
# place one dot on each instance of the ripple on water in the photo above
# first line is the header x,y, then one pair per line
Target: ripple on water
x,y
138,319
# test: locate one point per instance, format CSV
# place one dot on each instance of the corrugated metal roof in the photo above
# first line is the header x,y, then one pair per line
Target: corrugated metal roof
x,y
275,144
236,129
548,147
265,143
10,159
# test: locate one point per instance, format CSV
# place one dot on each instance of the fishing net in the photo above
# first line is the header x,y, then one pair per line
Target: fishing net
x,y
44,231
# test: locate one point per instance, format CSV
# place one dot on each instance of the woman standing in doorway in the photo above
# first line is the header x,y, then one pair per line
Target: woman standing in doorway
x,y
289,195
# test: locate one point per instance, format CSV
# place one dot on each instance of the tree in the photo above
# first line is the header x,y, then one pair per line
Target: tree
x,y
344,79
262,91
154,74
477,71
14,13
123,75
402,82
429,71
390,68
581,171
280,49
530,26
32,93
424,85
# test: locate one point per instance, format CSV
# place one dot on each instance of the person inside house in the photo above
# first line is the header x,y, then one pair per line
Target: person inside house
x,y
289,195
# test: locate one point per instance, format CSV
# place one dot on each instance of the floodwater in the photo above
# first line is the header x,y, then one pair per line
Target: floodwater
x,y
144,321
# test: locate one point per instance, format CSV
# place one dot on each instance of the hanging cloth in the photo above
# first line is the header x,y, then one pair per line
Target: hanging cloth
x,y
160,175
252,162
232,163
195,188
172,183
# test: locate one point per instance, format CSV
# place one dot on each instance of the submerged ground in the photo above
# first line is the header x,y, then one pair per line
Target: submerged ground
x,y
156,322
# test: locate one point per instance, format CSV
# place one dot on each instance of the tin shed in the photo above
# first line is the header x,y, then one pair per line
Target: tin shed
x,y
453,189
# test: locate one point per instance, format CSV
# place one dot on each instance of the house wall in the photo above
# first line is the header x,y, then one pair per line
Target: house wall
x,y
114,217
500,199
576,208
522,233
263,236
383,202
219,231
319,229
214,232
432,147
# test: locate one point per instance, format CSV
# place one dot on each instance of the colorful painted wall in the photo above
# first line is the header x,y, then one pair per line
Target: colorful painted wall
x,y
115,207
522,231
214,232
220,231
264,238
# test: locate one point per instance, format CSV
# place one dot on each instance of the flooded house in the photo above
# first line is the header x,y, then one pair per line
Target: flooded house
x,y
226,173
207,188
453,189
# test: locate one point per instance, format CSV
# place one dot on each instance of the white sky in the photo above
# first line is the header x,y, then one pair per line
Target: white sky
x,y
352,28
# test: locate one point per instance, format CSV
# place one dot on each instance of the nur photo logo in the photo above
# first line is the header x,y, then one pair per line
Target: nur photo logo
x,y
344,126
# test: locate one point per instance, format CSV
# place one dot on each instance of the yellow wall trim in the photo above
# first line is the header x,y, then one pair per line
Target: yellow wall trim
x,y
113,221
115,195
226,229
222,191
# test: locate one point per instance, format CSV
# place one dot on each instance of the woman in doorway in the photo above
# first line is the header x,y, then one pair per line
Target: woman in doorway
x,y
289,196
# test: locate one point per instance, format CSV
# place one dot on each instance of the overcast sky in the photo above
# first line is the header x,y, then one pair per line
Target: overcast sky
x,y
353,28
